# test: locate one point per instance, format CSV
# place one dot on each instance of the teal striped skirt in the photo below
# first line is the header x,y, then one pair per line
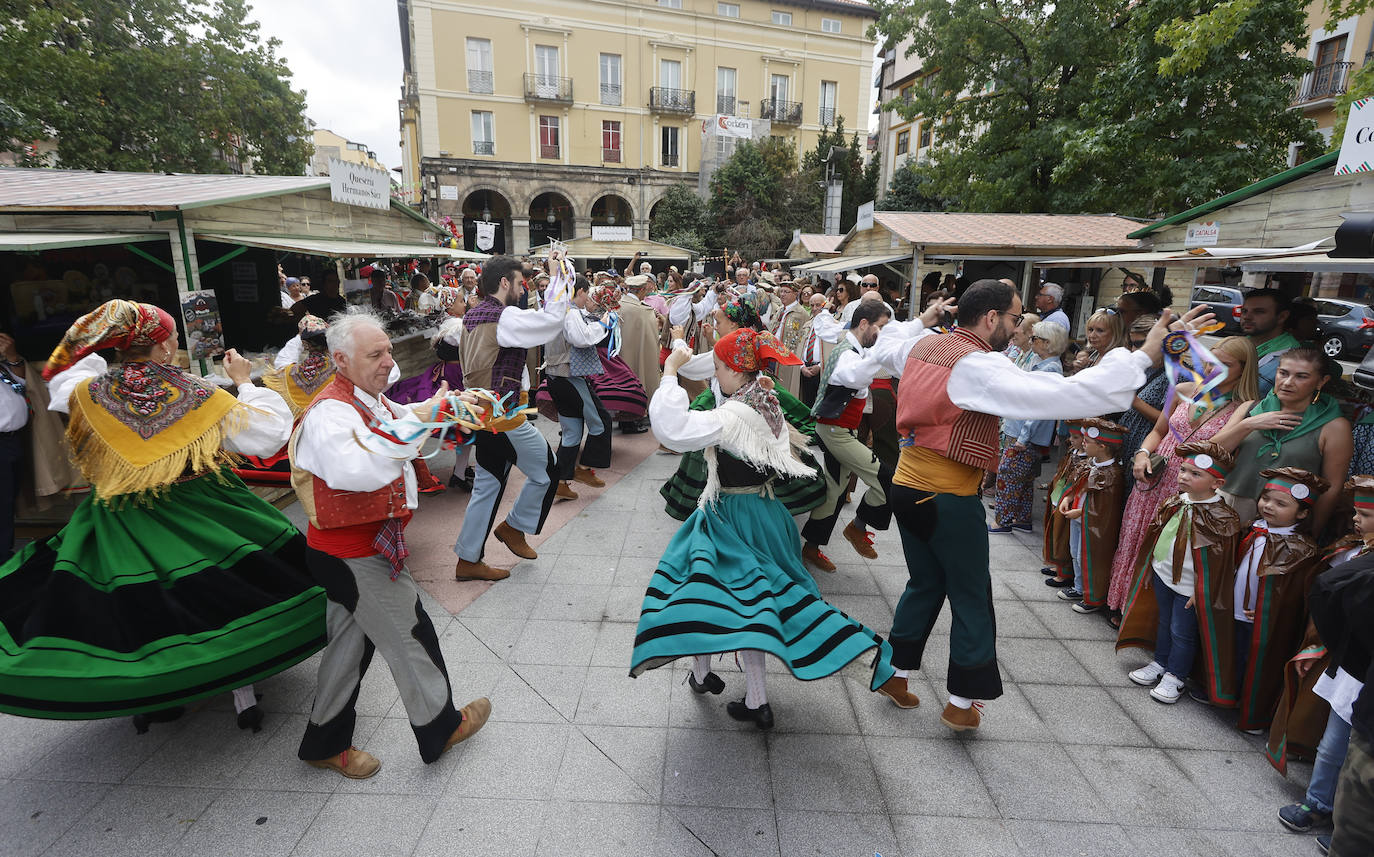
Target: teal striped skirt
x,y
732,578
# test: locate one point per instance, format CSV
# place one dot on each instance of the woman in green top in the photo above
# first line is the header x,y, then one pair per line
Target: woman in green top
x,y
1296,425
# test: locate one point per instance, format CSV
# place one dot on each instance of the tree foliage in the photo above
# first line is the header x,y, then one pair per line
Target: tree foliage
x,y
1194,33
1063,107
1005,84
751,198
680,219
910,190
860,179
1222,126
148,85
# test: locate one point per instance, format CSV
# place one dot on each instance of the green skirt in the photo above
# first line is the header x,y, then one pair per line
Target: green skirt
x,y
732,579
148,606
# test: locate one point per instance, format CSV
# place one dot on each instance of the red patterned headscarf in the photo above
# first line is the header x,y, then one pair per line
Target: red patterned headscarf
x,y
747,349
114,324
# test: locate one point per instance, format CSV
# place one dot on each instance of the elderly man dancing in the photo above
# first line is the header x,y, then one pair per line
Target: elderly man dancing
x,y
352,467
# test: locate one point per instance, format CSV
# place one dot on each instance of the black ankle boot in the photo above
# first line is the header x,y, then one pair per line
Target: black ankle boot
x,y
761,717
711,684
165,715
251,718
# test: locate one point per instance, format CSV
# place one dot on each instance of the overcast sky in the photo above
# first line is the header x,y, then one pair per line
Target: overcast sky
x,y
346,55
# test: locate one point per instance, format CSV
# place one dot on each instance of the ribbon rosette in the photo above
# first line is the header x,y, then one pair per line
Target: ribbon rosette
x,y
1205,371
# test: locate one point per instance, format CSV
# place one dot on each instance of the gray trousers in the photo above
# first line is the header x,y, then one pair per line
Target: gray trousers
x,y
369,612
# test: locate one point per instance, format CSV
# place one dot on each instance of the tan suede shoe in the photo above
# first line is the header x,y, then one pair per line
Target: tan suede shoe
x,y
587,476
895,690
565,492
478,571
812,555
861,540
515,540
961,719
352,763
475,716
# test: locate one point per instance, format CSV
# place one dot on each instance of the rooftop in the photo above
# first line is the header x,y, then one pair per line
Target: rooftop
x,y
96,190
817,242
1082,231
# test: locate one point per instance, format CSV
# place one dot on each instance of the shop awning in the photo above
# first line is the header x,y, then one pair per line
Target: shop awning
x,y
1198,257
846,263
343,249
27,242
1311,263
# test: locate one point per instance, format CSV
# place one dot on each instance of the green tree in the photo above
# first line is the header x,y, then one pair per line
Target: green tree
x,y
1005,86
148,85
680,219
1197,30
910,190
1150,143
750,208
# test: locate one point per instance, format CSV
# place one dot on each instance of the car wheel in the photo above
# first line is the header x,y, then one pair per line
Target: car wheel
x,y
1333,346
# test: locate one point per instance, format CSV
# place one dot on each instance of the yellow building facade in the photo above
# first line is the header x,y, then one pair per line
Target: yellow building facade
x,y
330,145
548,118
1336,53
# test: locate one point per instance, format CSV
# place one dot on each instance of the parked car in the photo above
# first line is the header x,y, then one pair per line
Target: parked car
x,y
1224,302
1339,327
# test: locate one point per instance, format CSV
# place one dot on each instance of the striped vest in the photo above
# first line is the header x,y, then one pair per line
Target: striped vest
x,y
925,415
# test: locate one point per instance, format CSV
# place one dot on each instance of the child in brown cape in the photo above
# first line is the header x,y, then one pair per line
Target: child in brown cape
x,y
1058,561
1092,507
1189,550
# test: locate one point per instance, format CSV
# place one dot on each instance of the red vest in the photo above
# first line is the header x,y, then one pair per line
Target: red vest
x,y
925,415
329,508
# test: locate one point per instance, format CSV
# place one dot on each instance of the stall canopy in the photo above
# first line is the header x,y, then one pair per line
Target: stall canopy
x,y
590,248
1198,257
343,249
849,263
28,242
1310,263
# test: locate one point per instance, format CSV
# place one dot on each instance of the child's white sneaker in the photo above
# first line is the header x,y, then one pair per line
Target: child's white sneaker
x,y
1147,675
1168,690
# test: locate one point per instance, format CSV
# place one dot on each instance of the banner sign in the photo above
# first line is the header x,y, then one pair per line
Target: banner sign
x,y
355,184
728,126
1357,149
1202,234
612,233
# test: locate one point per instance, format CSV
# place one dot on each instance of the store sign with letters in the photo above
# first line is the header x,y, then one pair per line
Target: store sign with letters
x,y
1357,149
1204,233
354,184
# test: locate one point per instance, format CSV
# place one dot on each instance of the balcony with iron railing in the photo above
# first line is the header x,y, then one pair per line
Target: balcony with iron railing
x,y
827,116
482,82
543,87
610,94
725,104
663,99
786,112
610,156
550,151
1323,82
483,147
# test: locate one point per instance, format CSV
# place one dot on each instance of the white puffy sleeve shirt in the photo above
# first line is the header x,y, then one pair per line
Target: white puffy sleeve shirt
x,y
336,446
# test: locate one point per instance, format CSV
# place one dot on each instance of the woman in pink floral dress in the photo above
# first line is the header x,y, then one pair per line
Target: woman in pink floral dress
x,y
1187,421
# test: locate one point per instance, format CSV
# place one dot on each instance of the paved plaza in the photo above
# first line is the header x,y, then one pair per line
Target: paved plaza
x,y
581,760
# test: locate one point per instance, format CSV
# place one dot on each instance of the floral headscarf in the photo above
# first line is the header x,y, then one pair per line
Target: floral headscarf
x,y
114,324
744,313
746,350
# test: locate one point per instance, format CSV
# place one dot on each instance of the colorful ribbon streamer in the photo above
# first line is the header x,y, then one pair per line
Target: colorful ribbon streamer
x,y
1177,344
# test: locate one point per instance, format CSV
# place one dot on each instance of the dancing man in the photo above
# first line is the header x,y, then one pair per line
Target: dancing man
x,y
352,467
955,387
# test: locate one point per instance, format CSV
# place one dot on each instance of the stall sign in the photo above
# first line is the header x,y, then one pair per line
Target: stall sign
x,y
612,233
1357,148
204,332
1202,234
355,184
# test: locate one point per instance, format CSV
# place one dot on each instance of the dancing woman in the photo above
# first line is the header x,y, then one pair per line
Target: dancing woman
x,y
732,577
172,581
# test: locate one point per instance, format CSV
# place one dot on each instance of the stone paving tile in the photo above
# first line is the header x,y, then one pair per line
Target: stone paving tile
x,y
710,767
464,825
33,815
824,834
826,773
1083,715
1079,838
135,819
614,764
378,825
1034,781
731,831
929,777
511,761
919,835
252,824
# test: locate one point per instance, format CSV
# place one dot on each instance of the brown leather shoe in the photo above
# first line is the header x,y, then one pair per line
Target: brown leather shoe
x,y
565,492
352,763
587,476
861,540
515,540
961,719
478,571
475,716
811,554
895,690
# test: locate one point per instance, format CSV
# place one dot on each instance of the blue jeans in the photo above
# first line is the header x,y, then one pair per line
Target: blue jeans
x,y
1076,552
1176,636
1326,770
525,449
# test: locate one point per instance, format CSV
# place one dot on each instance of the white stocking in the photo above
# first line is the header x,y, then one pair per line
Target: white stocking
x,y
244,699
752,661
701,666
460,463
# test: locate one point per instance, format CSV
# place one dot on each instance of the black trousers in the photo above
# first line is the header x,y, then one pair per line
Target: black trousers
x,y
11,470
